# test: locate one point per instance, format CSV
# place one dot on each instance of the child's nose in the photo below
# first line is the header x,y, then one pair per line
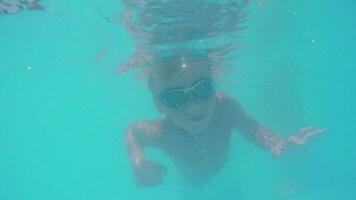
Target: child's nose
x,y
193,101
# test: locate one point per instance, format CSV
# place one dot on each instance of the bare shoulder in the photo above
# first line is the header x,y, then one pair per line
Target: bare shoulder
x,y
233,113
226,101
228,106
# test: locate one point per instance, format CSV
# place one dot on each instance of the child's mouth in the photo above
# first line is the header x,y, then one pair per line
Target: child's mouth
x,y
198,118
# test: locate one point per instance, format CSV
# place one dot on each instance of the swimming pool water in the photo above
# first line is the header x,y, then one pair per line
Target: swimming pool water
x,y
63,109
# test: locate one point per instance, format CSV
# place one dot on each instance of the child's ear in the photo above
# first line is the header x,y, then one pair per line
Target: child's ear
x,y
158,104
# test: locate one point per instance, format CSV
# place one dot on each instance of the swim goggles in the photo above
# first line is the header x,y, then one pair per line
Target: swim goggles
x,y
173,98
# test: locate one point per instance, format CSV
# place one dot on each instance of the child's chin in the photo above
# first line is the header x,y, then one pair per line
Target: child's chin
x,y
202,125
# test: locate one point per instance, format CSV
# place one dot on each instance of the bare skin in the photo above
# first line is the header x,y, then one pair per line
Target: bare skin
x,y
199,148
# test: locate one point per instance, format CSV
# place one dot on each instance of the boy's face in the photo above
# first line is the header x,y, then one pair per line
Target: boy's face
x,y
195,114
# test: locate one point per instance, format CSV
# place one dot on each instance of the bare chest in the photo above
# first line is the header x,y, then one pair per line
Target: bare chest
x,y
204,153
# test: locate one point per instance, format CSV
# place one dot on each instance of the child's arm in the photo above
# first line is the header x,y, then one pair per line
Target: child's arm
x,y
138,135
261,135
253,131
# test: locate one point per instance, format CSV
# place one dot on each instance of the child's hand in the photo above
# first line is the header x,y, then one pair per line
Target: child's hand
x,y
148,173
299,138
304,135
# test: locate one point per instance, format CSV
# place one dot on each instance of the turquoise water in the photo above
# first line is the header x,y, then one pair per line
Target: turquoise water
x,y
63,109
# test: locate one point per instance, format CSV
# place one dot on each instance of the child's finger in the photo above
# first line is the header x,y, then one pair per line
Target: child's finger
x,y
305,130
314,133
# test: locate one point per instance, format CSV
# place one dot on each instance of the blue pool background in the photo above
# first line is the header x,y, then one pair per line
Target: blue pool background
x,y
63,109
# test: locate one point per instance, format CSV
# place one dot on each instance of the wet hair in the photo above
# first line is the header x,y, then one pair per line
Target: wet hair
x,y
169,62
165,31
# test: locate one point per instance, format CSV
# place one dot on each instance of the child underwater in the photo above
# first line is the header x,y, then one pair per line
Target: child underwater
x,y
197,121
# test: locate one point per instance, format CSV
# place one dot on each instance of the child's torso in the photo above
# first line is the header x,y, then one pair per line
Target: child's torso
x,y
201,156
